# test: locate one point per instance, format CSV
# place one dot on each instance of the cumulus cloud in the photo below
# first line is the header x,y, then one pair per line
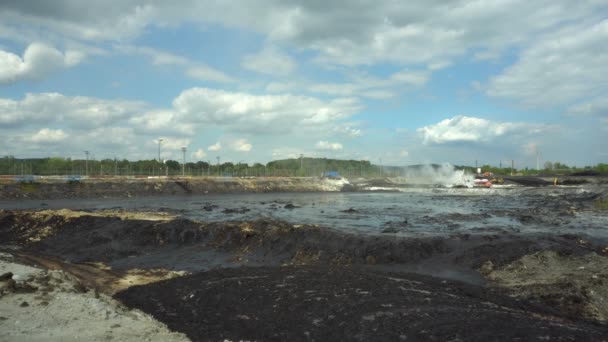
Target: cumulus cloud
x,y
74,111
470,129
270,61
245,112
215,147
340,32
161,121
39,60
47,135
566,66
328,146
199,154
241,145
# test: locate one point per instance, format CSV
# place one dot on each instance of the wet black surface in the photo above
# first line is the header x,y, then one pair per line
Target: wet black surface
x,y
345,304
427,211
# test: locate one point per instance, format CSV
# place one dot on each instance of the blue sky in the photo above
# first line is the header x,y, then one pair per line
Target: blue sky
x,y
405,83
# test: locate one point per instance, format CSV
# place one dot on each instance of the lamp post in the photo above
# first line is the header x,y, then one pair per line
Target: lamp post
x,y
184,162
86,163
160,161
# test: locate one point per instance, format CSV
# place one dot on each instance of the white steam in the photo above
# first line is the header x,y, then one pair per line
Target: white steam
x,y
445,175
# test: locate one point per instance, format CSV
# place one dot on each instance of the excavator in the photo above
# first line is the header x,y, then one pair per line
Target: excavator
x,y
486,179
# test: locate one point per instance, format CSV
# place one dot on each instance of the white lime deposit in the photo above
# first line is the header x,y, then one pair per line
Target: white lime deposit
x,y
50,306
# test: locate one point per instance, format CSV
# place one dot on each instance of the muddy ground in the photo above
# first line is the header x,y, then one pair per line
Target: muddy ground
x,y
274,280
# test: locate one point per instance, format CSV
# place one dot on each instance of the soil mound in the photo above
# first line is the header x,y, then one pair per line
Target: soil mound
x,y
343,303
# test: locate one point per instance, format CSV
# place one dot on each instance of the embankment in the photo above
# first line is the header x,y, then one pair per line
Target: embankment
x,y
140,187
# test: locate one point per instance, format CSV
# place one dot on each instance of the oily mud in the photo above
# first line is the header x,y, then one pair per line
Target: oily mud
x,y
125,243
434,265
345,303
112,251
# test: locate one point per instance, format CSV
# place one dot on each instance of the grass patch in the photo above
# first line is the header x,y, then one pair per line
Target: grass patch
x,y
601,204
29,187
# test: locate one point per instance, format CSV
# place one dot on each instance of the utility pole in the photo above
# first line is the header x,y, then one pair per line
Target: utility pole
x,y
218,166
208,167
86,163
159,142
115,167
512,167
160,161
184,162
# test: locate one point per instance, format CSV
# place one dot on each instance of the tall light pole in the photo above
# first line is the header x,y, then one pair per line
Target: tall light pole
x,y
184,162
86,163
160,169
159,142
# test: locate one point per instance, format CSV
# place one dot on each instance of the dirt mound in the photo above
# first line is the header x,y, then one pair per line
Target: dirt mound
x,y
101,238
343,303
577,284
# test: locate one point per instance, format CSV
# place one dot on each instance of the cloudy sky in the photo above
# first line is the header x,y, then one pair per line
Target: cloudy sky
x,y
403,82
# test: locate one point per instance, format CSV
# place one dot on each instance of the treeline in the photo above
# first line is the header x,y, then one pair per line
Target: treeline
x,y
302,167
549,169
295,167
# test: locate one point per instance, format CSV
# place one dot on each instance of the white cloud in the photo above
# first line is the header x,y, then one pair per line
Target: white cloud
x,y
199,154
47,136
74,111
373,87
566,66
340,32
279,87
205,73
328,146
245,112
215,147
270,61
161,121
172,143
470,129
530,148
158,57
241,145
192,69
593,107
39,60
348,130
404,153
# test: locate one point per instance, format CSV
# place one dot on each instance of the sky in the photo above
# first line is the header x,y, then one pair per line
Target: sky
x,y
392,82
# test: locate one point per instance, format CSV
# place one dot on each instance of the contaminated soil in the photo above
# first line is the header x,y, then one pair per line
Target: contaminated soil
x,y
269,279
52,305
